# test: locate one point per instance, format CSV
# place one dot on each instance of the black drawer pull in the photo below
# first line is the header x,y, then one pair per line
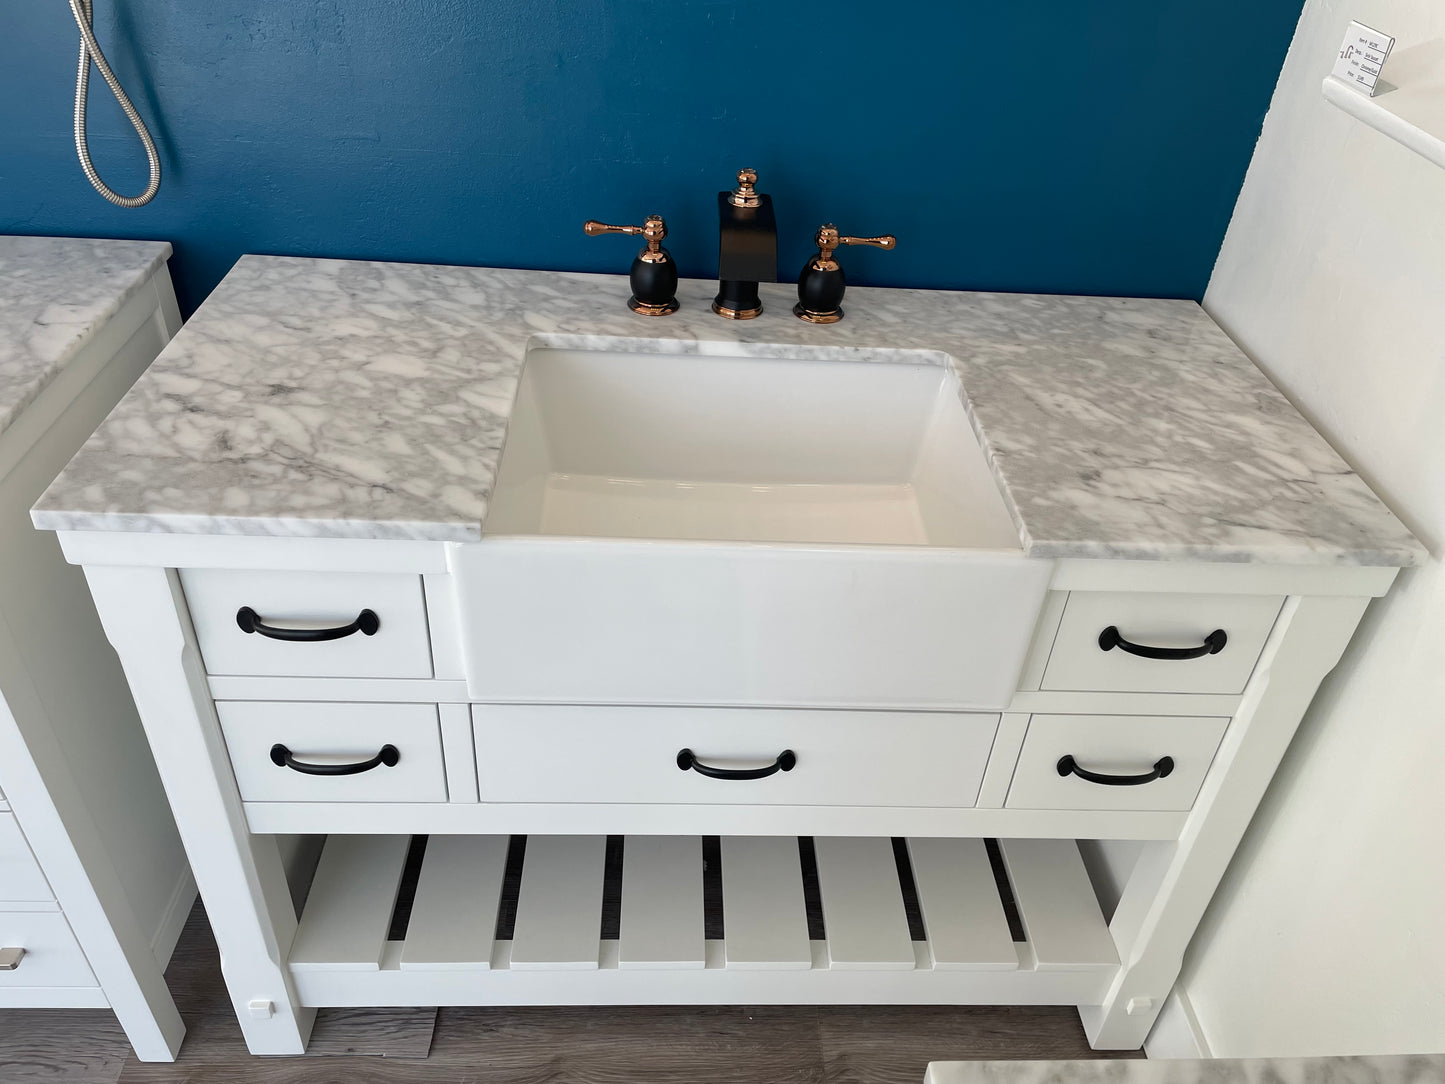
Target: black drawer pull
x,y
366,623
283,758
786,762
1213,645
1162,768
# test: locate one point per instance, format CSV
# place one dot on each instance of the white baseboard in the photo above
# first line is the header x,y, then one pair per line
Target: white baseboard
x,y
173,919
1176,1034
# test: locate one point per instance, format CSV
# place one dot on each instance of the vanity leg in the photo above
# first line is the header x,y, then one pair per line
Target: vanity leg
x,y
240,875
1173,883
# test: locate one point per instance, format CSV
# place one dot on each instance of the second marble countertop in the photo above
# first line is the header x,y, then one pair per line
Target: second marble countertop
x,y
55,294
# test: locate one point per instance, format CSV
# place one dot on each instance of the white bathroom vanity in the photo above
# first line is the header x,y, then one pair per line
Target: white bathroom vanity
x,y
940,655
94,886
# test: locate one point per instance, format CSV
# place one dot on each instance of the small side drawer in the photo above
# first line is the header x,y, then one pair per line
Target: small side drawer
x,y
20,877
52,955
564,753
331,735
1115,746
1081,662
396,646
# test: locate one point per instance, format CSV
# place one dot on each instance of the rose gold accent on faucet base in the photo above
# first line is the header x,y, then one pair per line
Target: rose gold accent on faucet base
x,y
817,317
642,308
736,314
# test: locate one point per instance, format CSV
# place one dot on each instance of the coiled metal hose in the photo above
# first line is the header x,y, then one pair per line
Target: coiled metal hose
x,y
90,50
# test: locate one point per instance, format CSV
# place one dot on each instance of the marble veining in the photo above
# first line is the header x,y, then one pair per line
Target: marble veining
x,y
324,398
55,292
1402,1069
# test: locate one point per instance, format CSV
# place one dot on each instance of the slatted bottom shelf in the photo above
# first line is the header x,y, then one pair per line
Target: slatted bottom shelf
x,y
923,922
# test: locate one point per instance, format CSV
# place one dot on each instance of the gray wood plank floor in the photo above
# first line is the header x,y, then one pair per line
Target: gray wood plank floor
x,y
642,1045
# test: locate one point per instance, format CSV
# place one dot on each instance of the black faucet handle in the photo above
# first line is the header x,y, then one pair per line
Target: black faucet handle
x,y
821,284
654,274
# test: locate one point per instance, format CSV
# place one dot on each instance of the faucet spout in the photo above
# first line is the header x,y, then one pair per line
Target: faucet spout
x,y
747,248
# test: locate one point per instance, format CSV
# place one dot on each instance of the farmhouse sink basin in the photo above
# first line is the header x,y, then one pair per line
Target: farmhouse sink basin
x,y
683,528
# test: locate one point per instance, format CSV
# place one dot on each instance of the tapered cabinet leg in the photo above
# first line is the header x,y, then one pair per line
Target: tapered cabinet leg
x,y
95,902
1173,883
240,875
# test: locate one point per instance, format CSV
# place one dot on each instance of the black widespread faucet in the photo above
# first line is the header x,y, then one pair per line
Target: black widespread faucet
x,y
747,248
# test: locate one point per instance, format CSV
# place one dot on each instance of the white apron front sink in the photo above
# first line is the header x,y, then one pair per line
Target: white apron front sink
x,y
719,530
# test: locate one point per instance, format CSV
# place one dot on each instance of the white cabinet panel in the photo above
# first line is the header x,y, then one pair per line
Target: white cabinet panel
x,y
648,622
20,876
397,646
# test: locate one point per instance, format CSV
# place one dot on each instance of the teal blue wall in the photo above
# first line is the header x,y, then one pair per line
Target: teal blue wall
x,y
1050,145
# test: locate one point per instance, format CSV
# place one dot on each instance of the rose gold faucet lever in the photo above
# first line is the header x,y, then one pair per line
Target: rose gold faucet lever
x,y
821,283
653,275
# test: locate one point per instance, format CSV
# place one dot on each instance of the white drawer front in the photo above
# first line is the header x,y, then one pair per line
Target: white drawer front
x,y
399,646
552,753
1079,662
52,955
331,735
1115,746
20,876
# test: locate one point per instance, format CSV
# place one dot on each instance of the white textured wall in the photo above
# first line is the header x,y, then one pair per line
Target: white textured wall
x,y
1328,935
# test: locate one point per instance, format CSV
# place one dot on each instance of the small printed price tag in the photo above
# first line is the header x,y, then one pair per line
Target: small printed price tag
x,y
1362,56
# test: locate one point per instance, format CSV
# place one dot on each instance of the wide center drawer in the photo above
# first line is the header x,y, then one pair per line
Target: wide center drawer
x,y
327,752
566,753
306,624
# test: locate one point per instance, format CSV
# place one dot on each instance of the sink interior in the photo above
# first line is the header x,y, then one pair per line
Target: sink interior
x,y
606,444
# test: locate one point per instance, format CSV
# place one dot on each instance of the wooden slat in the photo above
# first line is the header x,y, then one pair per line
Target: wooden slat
x,y
661,903
962,913
863,911
349,908
1057,904
454,914
765,924
559,907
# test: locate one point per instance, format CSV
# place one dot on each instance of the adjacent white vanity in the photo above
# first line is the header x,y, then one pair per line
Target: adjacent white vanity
x,y
1006,605
94,886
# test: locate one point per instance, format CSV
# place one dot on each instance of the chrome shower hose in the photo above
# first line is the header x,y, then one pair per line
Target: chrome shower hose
x,y
90,50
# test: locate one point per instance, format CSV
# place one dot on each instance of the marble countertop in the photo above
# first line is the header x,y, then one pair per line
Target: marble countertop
x,y
325,398
1402,1069
55,293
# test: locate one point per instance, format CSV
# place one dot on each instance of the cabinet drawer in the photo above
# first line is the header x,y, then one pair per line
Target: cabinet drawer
x,y
551,753
20,876
329,736
1114,746
1085,657
278,603
52,955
